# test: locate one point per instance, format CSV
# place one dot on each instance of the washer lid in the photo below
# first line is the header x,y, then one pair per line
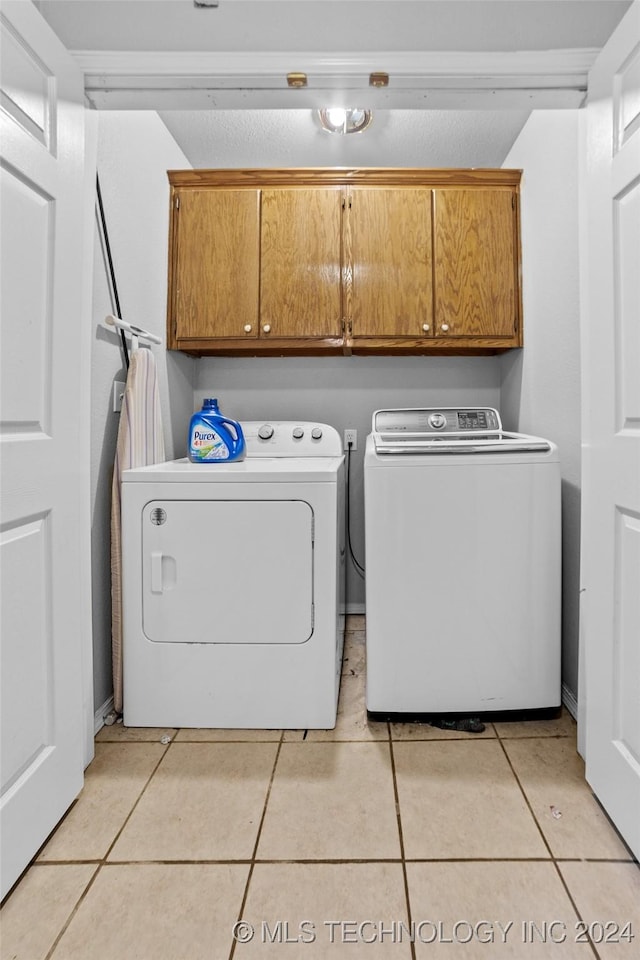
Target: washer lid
x,y
251,470
446,430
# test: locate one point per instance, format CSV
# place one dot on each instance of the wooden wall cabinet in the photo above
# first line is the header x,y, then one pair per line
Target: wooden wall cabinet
x,y
389,288
475,263
300,263
216,256
313,261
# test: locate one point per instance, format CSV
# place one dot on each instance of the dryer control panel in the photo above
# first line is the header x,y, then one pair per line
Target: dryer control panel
x,y
290,438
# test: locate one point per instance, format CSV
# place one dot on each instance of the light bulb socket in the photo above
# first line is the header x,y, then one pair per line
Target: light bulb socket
x,y
351,120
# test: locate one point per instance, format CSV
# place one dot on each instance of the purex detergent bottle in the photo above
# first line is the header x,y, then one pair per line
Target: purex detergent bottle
x,y
213,438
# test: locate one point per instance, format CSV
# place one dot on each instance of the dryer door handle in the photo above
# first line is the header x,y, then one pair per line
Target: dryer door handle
x,y
156,571
163,572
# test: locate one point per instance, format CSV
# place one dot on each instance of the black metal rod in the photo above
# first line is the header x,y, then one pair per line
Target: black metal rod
x,y
112,272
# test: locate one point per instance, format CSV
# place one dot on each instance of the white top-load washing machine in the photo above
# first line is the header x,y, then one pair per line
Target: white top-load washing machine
x,y
463,568
233,580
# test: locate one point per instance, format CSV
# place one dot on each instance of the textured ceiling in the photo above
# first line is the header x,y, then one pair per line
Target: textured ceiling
x,y
268,137
294,138
333,25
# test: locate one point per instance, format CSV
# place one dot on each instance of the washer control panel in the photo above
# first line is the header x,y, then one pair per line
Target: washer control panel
x,y
290,438
427,421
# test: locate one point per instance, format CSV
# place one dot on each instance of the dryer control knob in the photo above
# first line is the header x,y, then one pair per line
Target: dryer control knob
x,y
266,431
298,433
316,433
437,421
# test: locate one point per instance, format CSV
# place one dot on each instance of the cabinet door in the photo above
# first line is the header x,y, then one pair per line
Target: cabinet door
x,y
389,277
216,260
475,263
301,263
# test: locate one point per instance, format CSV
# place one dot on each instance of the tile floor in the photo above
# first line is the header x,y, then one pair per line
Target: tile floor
x,y
350,842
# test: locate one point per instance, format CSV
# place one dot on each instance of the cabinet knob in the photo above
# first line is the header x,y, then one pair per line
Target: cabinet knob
x,y
266,328
247,328
444,327
425,327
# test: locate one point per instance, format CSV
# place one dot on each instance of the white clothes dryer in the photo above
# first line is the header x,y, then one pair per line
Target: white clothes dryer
x,y
463,567
233,585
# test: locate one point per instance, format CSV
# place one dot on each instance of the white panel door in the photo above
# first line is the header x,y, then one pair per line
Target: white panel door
x,y
611,428
227,571
44,524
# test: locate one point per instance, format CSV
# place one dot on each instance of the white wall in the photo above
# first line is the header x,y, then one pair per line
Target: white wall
x,y
344,391
134,152
541,384
537,388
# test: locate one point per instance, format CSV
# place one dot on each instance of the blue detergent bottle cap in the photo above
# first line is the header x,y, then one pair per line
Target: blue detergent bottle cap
x,y
210,403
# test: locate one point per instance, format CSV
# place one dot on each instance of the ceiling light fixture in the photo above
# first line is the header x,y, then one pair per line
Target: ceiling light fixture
x,y
344,119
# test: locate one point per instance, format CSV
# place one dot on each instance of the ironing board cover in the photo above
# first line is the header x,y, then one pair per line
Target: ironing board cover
x,y
140,443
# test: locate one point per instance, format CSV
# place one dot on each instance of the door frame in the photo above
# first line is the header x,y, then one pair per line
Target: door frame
x,y
86,340
599,177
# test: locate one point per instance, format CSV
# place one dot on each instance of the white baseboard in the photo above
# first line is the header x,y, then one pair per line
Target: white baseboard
x,y
355,608
570,701
100,714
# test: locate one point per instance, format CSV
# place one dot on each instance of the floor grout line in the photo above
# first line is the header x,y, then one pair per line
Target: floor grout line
x,y
103,861
78,904
380,739
230,861
139,798
547,844
252,862
401,838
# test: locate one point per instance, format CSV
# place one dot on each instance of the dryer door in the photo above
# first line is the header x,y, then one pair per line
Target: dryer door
x,y
227,571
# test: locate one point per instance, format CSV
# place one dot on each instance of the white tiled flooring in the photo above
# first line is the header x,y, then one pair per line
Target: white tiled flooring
x,y
350,842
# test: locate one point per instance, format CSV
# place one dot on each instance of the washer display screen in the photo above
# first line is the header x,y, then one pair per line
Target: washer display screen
x,y
472,419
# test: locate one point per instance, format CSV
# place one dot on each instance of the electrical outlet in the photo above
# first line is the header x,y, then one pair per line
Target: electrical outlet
x,y
118,394
350,439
